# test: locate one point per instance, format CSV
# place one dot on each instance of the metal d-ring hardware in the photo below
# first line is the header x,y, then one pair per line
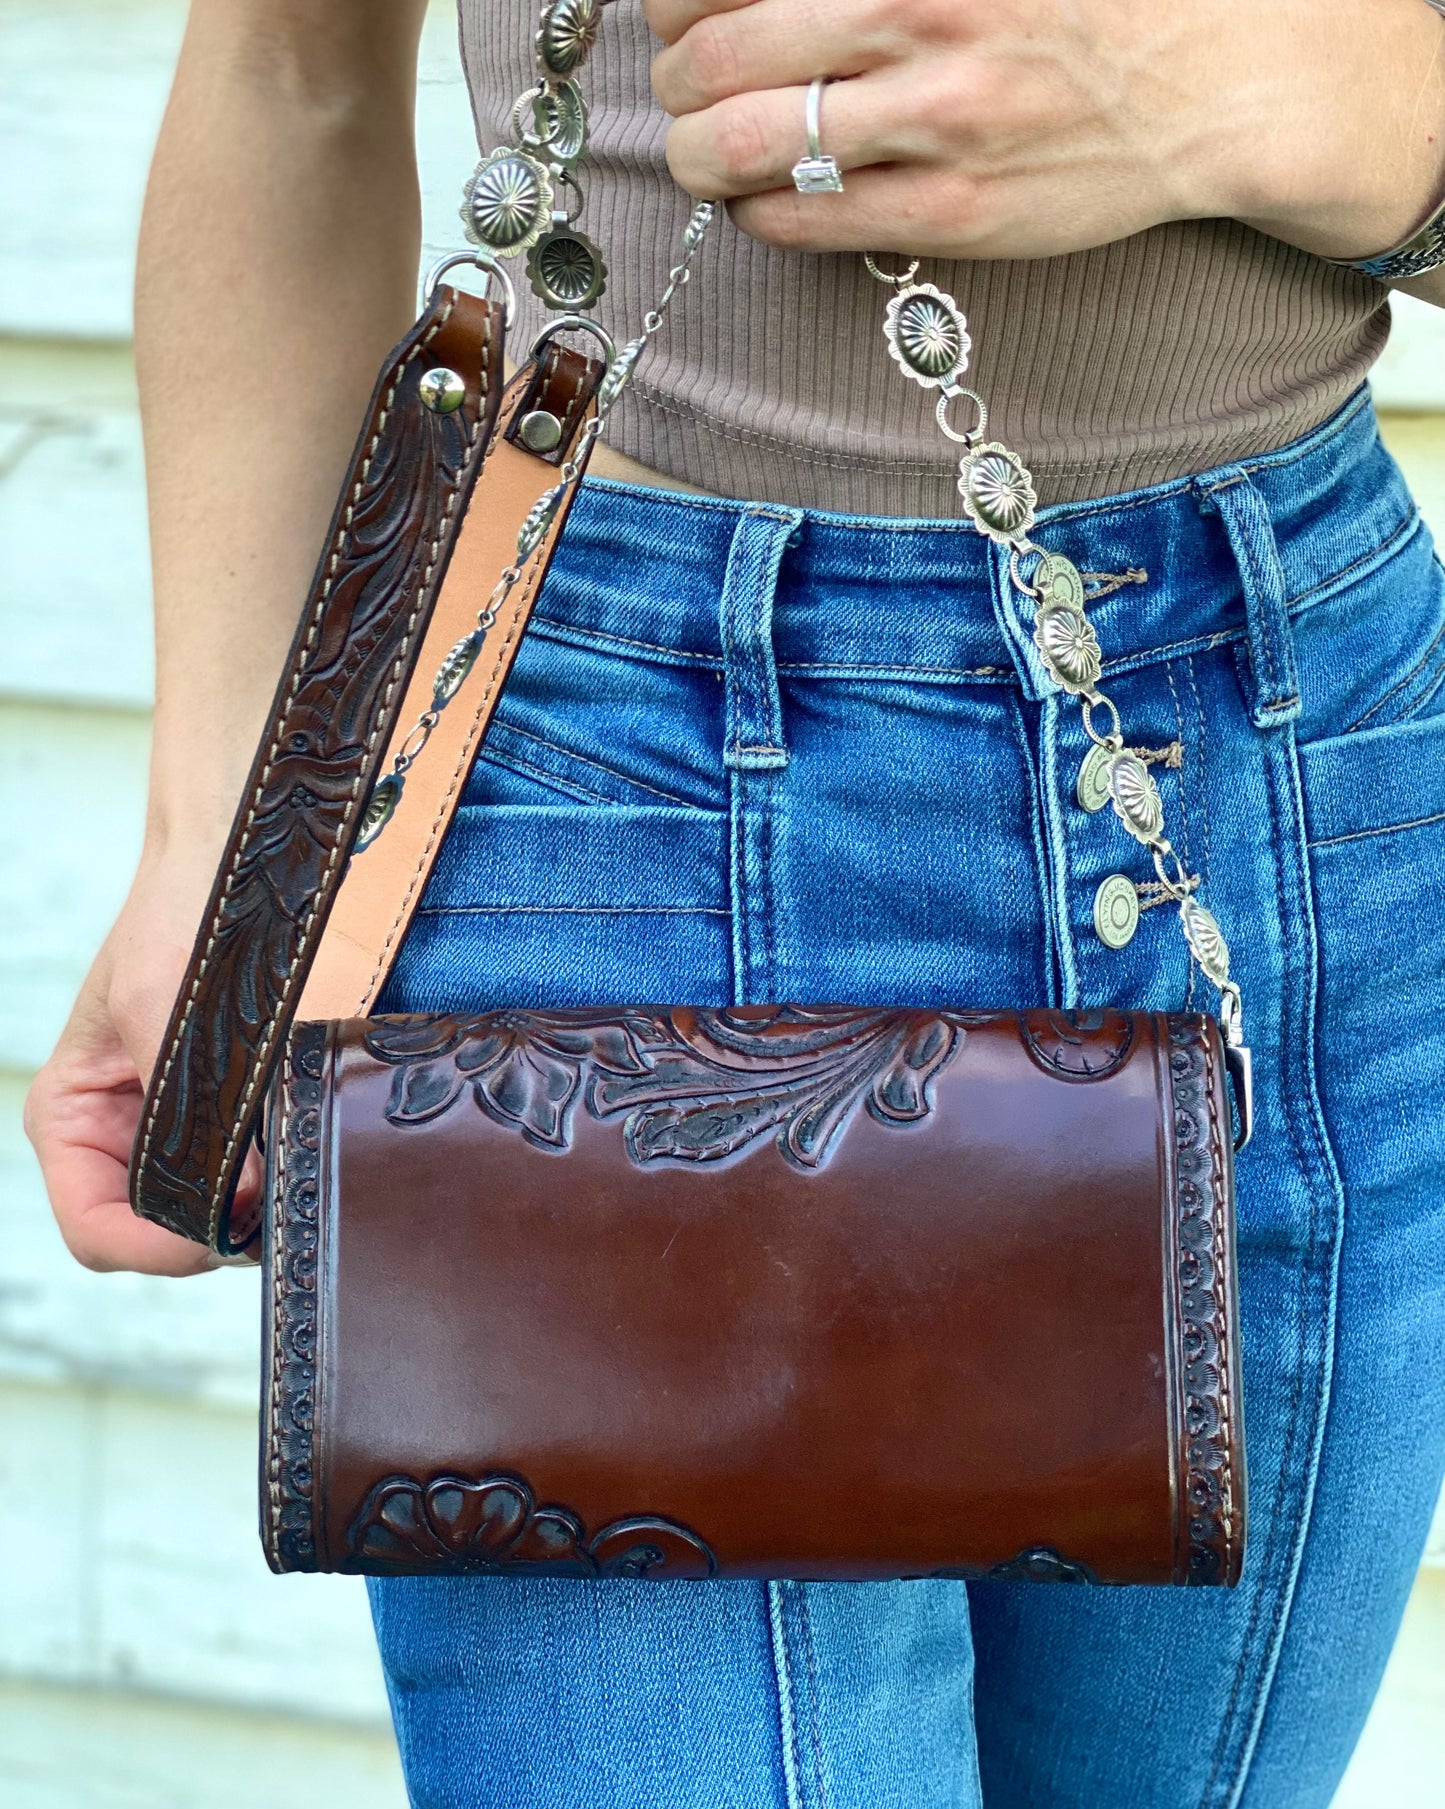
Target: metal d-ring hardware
x,y
480,260
576,323
459,663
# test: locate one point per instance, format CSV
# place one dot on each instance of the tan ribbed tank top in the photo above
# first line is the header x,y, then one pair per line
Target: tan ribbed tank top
x,y
1184,347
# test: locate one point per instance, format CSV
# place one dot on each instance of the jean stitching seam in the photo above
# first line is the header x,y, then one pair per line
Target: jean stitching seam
x,y
1257,1607
1360,835
783,1676
1323,1153
611,771
553,781
1400,684
560,910
814,1697
1056,831
1381,551
737,885
1038,835
1206,853
1413,711
691,654
1183,806
1324,1389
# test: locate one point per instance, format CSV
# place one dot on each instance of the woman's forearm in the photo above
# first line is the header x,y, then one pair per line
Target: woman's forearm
x,y
277,263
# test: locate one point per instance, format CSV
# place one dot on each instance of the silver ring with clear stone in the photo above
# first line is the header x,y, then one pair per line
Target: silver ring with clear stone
x,y
816,174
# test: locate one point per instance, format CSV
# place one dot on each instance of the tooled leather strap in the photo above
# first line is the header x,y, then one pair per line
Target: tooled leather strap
x,y
383,884
384,559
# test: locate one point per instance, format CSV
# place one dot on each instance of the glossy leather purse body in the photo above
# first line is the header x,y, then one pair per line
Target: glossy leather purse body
x,y
802,1291
766,1293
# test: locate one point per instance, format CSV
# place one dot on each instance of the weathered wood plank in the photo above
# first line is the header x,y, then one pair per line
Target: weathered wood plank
x,y
74,806
93,1749
85,86
75,617
196,1339
142,1570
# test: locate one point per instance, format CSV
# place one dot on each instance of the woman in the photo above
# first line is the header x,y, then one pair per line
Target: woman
x,y
1146,216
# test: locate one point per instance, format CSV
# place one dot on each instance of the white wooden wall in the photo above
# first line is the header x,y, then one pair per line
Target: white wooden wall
x,y
148,1660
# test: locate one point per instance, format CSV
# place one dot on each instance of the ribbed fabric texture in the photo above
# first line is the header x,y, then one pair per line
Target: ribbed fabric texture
x,y
1184,347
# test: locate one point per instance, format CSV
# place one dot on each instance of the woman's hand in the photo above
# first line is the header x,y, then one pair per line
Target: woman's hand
x,y
85,1103
1028,128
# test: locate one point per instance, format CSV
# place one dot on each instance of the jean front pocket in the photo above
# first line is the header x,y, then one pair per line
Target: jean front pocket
x,y
583,721
1371,647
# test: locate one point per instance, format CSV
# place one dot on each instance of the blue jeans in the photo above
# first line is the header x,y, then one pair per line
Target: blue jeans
x,y
752,753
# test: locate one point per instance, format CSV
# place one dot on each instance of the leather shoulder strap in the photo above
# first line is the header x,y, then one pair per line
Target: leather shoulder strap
x,y
382,565
383,883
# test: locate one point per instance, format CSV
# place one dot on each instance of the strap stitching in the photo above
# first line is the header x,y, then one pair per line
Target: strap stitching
x,y
318,612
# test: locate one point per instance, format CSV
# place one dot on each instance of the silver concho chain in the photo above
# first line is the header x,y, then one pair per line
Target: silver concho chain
x,y
525,196
928,339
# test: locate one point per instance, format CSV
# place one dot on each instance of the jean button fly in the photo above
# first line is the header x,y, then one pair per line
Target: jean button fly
x,y
1116,910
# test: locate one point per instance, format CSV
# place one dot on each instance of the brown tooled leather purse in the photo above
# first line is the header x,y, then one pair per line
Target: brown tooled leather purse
x,y
795,1291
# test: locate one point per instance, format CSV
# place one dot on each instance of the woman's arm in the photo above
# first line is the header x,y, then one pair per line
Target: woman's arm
x,y
1026,128
277,264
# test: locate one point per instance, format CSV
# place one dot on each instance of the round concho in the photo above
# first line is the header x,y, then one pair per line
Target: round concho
x,y
1057,581
1069,647
566,34
1137,803
1206,940
565,269
508,202
998,493
927,335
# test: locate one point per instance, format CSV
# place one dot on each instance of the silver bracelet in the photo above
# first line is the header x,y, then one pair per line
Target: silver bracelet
x,y
1422,252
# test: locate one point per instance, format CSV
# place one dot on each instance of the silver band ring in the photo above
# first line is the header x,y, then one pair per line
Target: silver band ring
x,y
816,174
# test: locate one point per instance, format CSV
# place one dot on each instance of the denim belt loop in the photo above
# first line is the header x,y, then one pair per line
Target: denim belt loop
x,y
753,739
1267,673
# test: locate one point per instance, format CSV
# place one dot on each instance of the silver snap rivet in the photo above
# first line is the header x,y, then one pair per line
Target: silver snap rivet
x,y
442,391
1092,788
541,431
1116,910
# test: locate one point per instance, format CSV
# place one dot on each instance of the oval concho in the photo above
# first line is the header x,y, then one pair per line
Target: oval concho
x,y
998,492
927,335
380,808
508,202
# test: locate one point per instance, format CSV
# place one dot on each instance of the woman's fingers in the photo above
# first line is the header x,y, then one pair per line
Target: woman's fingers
x,y
772,44
749,144
669,19
82,1128
901,209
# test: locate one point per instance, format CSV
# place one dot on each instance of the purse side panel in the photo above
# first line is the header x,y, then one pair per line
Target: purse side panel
x,y
296,1186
